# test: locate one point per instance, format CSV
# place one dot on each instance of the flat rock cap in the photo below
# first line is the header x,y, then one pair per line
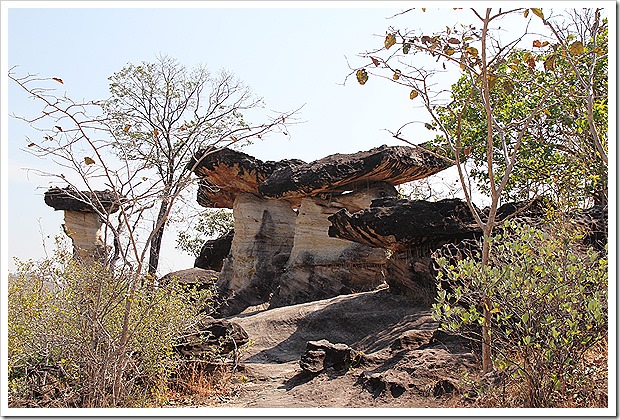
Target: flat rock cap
x,y
71,199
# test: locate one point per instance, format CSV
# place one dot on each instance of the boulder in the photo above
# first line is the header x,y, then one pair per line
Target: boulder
x,y
213,252
322,354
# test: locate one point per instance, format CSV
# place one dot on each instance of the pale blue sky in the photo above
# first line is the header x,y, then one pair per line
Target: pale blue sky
x,y
288,55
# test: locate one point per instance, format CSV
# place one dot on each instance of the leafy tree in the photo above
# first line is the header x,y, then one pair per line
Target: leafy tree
x,y
549,307
493,114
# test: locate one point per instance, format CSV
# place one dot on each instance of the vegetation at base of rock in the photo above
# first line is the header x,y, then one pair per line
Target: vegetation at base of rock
x,y
548,297
65,322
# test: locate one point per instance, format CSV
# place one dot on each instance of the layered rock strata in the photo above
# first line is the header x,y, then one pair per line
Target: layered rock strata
x,y
83,218
411,230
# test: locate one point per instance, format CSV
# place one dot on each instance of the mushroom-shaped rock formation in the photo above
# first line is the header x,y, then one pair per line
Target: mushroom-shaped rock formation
x,y
83,223
281,251
342,172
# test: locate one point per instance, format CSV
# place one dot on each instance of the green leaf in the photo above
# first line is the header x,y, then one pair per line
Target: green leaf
x,y
390,40
362,76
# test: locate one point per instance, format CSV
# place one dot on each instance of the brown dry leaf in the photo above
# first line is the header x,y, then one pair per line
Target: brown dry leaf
x,y
88,160
58,80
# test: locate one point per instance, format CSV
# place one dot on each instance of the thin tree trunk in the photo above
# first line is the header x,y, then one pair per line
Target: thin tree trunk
x,y
160,226
487,361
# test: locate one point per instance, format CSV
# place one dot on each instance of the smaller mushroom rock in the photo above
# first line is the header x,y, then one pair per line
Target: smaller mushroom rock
x,y
83,223
341,172
226,173
213,252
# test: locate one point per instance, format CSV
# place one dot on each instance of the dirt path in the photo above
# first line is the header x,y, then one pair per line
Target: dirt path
x,y
400,367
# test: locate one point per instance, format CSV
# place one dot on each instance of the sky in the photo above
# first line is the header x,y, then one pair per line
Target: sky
x,y
291,54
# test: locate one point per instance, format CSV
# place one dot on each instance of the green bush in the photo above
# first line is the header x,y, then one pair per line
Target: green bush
x,y
548,297
65,335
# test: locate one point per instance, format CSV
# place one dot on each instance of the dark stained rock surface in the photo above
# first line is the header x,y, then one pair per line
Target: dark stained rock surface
x,y
400,224
212,336
70,199
225,173
213,252
322,354
341,172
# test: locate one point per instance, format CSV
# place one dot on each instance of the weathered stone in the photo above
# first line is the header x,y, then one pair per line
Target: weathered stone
x,y
189,276
322,354
212,336
83,223
69,199
261,246
342,172
226,173
319,266
213,252
401,224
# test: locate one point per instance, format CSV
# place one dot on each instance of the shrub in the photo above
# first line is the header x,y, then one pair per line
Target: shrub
x,y
65,327
548,297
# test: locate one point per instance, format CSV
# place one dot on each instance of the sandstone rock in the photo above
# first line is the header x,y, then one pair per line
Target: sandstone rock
x,y
70,199
341,172
83,223
261,246
213,252
319,266
226,173
190,276
322,354
400,224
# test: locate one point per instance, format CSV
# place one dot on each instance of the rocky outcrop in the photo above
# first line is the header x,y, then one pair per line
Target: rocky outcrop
x,y
83,218
320,266
322,354
281,251
213,252
211,337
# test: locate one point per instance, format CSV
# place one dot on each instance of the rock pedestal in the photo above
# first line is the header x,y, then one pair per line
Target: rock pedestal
x,y
83,219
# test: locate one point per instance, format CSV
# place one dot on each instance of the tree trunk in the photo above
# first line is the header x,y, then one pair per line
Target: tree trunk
x,y
160,226
487,362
